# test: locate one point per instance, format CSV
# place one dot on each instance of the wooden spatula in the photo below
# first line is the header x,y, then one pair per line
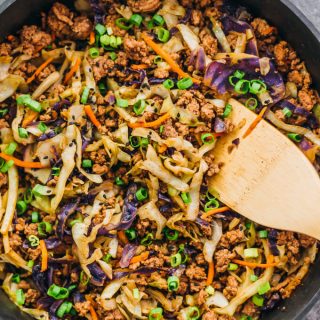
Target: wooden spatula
x,y
266,178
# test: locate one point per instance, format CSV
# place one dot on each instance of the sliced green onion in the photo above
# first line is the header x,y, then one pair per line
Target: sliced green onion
x,y
30,263
85,95
105,40
35,217
287,112
84,279
264,288
34,241
55,171
211,204
263,234
122,103
73,222
251,253
86,163
6,166
44,228
239,74
119,182
176,260
161,129
42,127
210,290
134,141
3,112
258,300
142,194
28,196
147,240
65,308
173,283
242,87
193,313
102,88
171,235
20,297
57,292
131,234
168,84
27,101
101,29
118,41
163,35
123,24
94,52
251,104
113,56
158,20
254,278
39,190
144,142
21,207
139,107
257,86
295,137
157,59
185,196
233,267
207,138
107,258
11,148
23,133
16,278
72,287
227,110
136,293
155,314
184,83
136,19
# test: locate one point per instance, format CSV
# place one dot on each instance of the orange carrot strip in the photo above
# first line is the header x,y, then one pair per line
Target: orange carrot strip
x,y
210,273
151,124
142,257
215,211
72,71
44,256
93,313
122,237
139,66
269,264
40,68
255,122
21,163
88,110
92,38
162,148
30,116
166,56
10,37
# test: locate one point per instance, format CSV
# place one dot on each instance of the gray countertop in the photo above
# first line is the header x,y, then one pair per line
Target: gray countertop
x,y
311,9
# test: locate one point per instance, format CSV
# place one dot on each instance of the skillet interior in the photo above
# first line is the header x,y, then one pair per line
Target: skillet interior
x,y
296,29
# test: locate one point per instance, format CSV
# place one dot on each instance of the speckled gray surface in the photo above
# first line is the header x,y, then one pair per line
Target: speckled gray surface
x,y
311,9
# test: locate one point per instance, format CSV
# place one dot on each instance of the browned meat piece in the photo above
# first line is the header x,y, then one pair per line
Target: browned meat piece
x,y
46,72
223,258
195,272
183,129
82,308
168,130
114,315
102,66
3,179
161,73
286,57
32,296
211,315
263,30
230,291
197,18
207,112
142,6
63,23
232,238
250,309
5,49
33,40
190,101
307,99
288,239
135,50
306,241
20,225
34,253
31,229
99,157
24,285
97,168
208,42
15,241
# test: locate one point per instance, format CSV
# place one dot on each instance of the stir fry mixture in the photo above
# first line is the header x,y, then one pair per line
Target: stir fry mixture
x,y
109,113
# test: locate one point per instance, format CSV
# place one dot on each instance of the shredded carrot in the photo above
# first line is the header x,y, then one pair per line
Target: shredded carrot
x,y
210,273
21,163
93,313
139,66
142,257
214,211
44,256
40,68
151,124
72,71
10,37
255,122
166,56
30,116
122,237
269,263
92,38
162,148
88,110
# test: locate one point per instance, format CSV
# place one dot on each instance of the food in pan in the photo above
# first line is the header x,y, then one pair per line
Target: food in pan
x,y
110,113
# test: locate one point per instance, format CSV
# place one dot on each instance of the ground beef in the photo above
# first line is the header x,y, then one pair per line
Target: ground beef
x,y
15,241
263,30
231,289
288,239
182,129
32,296
223,258
286,58
3,179
143,6
196,18
300,76
232,238
195,272
102,66
33,40
208,42
306,241
82,28
114,315
31,229
5,49
111,23
99,169
207,112
307,99
135,50
168,130
46,72
211,315
189,101
34,253
250,309
161,72
82,308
